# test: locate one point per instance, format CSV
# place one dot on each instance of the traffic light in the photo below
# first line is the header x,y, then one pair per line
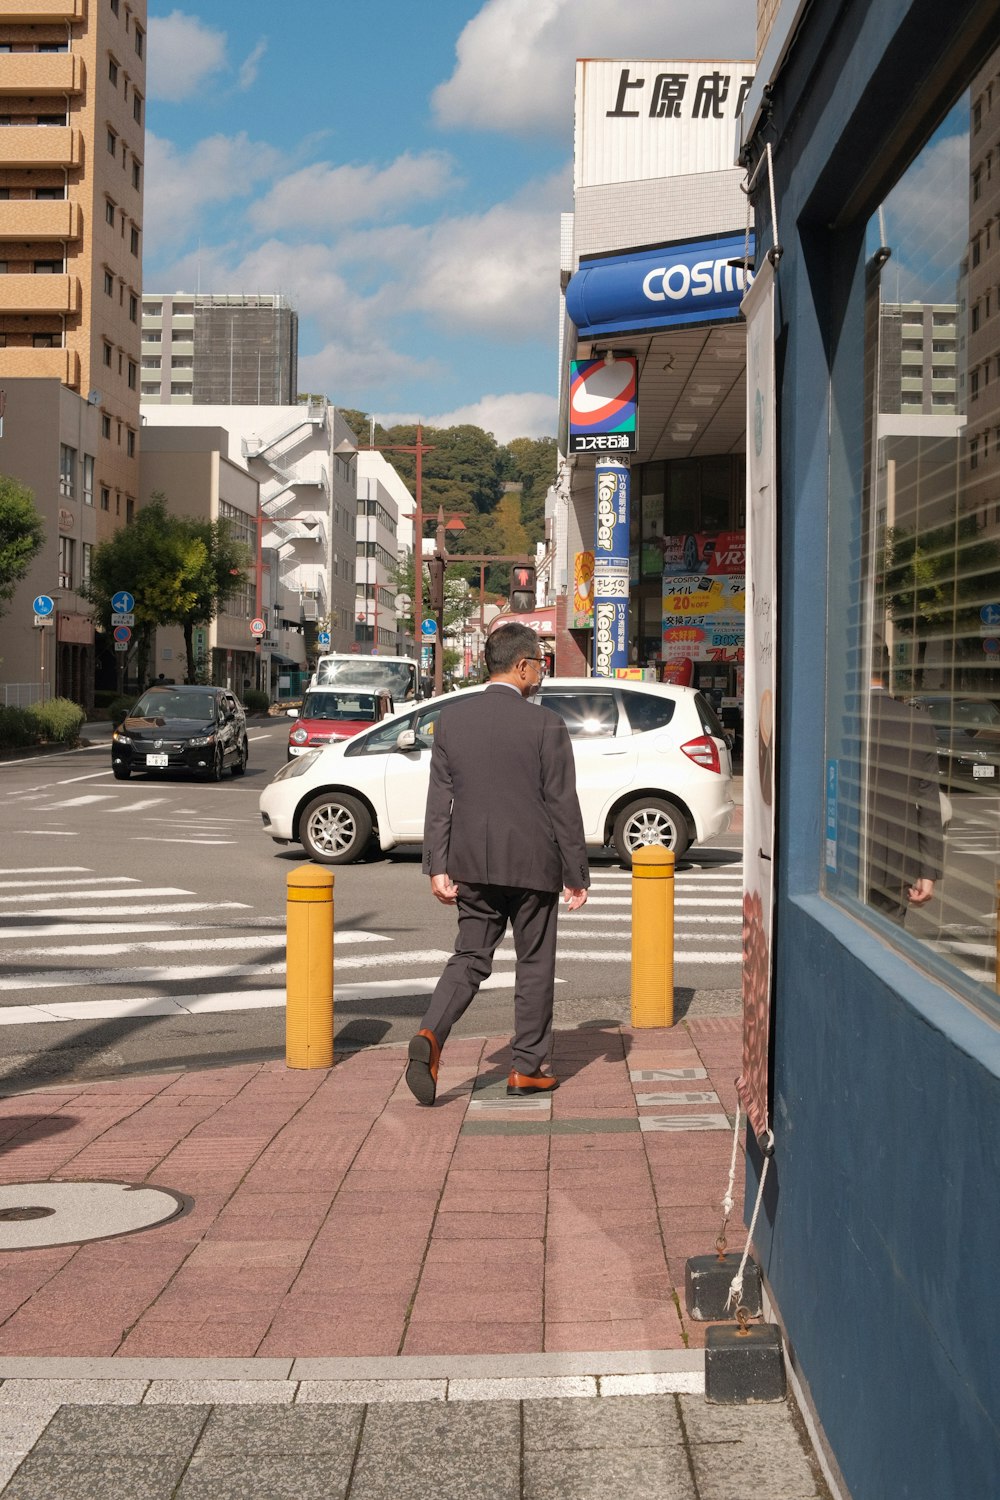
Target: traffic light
x,y
435,567
522,589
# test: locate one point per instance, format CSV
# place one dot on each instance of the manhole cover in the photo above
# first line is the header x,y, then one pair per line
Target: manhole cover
x,y
38,1214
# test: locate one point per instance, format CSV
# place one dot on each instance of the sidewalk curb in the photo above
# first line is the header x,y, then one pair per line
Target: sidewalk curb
x,y
679,1362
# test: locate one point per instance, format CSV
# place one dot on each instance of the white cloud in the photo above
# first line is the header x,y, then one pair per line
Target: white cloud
x,y
341,369
494,273
180,185
328,196
516,58
926,219
183,55
251,65
517,414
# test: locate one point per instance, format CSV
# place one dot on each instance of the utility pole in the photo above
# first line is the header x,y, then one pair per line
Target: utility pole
x,y
418,448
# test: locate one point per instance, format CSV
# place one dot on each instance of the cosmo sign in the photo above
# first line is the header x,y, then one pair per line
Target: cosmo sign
x,y
696,282
602,405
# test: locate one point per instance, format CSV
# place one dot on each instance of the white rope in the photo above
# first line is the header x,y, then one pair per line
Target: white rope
x,y
774,208
727,1202
736,1285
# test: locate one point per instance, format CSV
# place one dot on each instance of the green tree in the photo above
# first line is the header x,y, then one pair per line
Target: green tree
x,y
533,462
459,604
22,535
180,571
935,582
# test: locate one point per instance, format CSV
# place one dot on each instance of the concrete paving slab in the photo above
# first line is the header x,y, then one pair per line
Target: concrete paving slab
x,y
249,1431
108,1477
370,1391
459,1451
32,1393
219,1392
524,1388
273,1476
132,1431
569,1474
643,1422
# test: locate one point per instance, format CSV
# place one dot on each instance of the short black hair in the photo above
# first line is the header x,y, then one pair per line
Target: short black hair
x,y
509,644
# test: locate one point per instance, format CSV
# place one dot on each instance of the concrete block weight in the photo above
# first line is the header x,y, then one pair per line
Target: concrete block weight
x,y
744,1365
707,1279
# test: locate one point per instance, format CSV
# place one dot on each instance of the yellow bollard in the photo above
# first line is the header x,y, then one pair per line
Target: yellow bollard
x,y
309,969
653,936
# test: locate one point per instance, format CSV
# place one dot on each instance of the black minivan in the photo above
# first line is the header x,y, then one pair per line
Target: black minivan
x,y
200,730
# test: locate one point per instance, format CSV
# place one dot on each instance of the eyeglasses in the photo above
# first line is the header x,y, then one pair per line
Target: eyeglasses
x,y
536,661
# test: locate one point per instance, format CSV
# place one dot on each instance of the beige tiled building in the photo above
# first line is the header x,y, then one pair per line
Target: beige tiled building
x,y
72,130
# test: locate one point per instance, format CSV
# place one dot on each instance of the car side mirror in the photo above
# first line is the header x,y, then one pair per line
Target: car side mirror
x,y
406,740
291,713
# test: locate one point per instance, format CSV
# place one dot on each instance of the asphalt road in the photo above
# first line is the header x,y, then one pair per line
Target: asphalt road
x,y
142,926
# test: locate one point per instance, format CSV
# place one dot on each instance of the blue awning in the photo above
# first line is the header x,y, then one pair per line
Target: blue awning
x,y
667,287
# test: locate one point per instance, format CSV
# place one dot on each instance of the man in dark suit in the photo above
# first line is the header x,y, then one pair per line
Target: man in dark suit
x,y
906,844
503,835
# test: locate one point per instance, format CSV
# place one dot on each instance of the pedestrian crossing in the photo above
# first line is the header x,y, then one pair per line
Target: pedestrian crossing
x,y
156,817
174,953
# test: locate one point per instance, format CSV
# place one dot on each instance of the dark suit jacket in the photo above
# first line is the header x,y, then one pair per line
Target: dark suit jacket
x,y
906,842
502,807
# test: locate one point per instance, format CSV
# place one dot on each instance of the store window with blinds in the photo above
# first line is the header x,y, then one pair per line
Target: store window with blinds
x,y
913,769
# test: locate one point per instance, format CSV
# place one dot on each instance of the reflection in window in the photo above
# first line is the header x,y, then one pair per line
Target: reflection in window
x,y
586,715
914,754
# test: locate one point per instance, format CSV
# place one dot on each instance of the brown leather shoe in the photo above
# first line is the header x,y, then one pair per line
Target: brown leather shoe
x,y
422,1068
523,1084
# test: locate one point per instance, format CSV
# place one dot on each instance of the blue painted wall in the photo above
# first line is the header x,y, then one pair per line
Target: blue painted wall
x,y
880,1236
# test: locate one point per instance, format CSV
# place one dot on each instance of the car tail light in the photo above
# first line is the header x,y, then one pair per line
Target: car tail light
x,y
704,752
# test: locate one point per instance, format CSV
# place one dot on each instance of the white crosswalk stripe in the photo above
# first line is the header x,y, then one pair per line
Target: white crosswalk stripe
x,y
54,902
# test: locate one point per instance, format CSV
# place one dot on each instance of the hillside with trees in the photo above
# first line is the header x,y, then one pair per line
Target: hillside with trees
x,y
497,489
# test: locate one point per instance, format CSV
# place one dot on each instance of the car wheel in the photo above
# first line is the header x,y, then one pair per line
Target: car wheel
x,y
650,820
334,829
122,773
692,559
218,765
240,763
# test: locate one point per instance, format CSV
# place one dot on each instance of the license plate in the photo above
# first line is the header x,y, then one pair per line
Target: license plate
x,y
297,749
984,771
157,760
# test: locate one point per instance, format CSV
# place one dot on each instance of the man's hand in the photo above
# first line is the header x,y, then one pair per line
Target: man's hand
x,y
445,889
574,898
920,892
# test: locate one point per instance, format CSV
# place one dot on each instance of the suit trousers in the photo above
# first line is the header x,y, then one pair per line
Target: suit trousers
x,y
483,914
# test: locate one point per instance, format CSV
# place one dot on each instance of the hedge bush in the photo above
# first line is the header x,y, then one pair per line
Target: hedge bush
x,y
16,729
256,702
119,707
58,719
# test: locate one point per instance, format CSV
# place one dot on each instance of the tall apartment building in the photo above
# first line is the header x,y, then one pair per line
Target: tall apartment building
x,y
72,132
225,349
983,357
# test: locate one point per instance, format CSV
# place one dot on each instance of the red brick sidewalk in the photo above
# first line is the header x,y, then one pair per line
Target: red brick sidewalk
x,y
334,1216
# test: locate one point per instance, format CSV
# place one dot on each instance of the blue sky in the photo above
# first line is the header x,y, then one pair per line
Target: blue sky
x,y
398,170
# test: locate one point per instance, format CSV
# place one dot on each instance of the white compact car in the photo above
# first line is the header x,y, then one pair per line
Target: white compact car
x,y
653,766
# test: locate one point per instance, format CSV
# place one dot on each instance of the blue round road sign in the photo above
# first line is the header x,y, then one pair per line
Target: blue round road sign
x,y
123,633
43,605
428,627
123,602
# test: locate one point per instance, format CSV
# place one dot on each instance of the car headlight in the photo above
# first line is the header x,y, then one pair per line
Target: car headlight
x,y
299,736
120,739
295,767
201,739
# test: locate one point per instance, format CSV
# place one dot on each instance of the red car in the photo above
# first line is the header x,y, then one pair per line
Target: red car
x,y
331,714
